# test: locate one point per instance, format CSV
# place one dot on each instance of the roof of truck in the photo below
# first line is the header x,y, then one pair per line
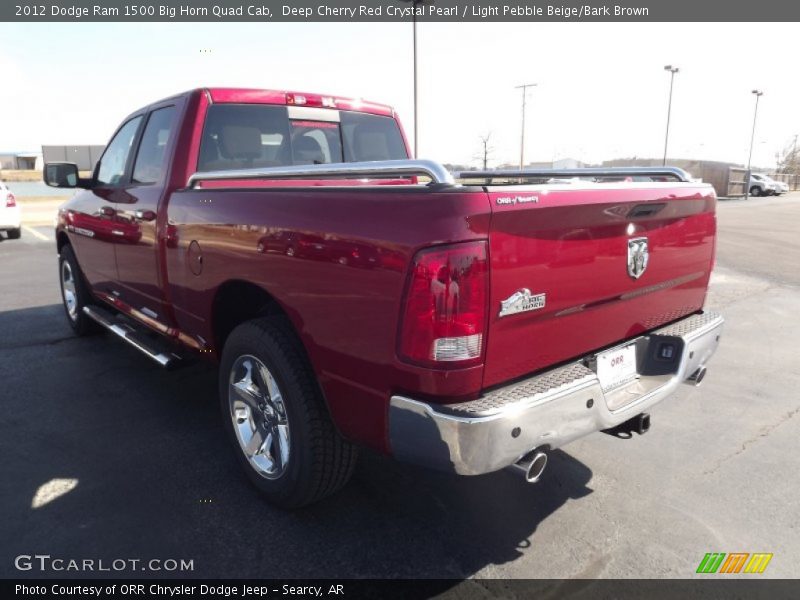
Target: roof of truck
x,y
285,97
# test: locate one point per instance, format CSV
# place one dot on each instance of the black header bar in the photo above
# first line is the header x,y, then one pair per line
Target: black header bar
x,y
399,10
712,588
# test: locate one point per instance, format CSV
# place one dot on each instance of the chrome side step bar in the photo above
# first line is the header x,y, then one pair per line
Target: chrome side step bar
x,y
134,337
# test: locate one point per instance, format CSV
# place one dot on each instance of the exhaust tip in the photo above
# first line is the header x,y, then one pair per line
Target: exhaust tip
x,y
536,468
530,467
698,376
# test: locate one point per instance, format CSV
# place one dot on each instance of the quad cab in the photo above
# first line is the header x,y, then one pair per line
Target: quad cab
x,y
353,296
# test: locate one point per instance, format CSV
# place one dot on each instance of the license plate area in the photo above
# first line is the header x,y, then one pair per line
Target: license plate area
x,y
617,367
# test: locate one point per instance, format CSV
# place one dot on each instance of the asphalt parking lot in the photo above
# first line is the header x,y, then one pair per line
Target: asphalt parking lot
x,y
144,471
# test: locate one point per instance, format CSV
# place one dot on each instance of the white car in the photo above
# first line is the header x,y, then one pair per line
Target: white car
x,y
764,185
780,187
10,214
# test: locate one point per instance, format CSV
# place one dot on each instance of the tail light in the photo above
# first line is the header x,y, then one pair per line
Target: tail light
x,y
10,201
444,321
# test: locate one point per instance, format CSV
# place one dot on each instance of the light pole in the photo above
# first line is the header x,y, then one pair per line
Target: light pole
x,y
757,94
672,70
524,89
414,4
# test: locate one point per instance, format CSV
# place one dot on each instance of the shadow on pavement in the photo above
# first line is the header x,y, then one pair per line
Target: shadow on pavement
x,y
153,477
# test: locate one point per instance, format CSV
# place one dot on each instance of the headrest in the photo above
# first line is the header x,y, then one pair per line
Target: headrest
x,y
307,149
240,141
370,143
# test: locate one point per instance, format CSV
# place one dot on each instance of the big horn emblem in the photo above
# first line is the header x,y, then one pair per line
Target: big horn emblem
x,y
638,256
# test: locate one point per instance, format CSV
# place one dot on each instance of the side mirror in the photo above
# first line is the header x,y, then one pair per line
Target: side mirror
x,y
61,175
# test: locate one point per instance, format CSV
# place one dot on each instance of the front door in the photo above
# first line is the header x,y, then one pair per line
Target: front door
x,y
93,219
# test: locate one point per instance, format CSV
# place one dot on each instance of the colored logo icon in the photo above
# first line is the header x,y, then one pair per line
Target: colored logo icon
x,y
735,562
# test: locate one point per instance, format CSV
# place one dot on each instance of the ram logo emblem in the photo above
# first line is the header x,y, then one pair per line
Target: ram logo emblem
x,y
638,256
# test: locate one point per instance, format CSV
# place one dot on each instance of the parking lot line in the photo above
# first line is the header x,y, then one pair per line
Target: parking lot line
x,y
36,234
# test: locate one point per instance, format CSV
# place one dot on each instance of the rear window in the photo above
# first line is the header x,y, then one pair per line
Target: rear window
x,y
371,137
241,136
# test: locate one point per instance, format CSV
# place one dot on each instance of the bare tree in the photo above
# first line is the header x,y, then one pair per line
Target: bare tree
x,y
486,149
789,158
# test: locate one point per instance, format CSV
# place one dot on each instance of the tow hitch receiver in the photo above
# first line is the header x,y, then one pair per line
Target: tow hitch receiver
x,y
640,424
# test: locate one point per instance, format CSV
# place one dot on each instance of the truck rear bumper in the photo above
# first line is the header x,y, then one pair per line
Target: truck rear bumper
x,y
552,408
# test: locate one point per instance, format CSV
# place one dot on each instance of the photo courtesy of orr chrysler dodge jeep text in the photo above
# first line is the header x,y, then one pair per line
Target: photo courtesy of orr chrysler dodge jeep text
x,y
353,296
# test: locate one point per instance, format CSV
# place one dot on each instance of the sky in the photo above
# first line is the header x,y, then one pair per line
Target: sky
x,y
602,90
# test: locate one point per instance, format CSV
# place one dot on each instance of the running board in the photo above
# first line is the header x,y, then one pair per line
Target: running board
x,y
136,338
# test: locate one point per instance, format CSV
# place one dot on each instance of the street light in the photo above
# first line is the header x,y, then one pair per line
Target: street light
x,y
672,70
524,89
414,4
757,94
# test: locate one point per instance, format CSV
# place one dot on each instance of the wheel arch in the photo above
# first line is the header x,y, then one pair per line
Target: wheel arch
x,y
237,301
62,239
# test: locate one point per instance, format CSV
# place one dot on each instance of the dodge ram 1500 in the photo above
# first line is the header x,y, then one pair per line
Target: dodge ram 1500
x,y
352,296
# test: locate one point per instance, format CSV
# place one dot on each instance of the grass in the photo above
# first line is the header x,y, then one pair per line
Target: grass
x,y
29,175
19,175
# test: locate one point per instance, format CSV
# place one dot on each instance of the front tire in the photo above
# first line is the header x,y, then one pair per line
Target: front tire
x,y
15,234
276,418
74,293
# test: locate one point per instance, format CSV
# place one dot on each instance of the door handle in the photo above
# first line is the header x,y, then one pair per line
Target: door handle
x,y
145,215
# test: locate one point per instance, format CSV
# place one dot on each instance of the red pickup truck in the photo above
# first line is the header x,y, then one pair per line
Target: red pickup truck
x,y
353,296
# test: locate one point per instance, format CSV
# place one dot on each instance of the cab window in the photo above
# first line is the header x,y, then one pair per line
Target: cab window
x,y
115,158
149,164
243,136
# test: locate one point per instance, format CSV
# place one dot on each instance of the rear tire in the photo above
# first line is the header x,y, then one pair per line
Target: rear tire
x,y
74,293
276,418
15,234
755,191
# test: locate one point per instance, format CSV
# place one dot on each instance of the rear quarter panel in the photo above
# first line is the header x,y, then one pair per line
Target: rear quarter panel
x,y
341,287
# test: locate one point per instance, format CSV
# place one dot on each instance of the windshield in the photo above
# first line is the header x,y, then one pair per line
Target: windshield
x,y
241,136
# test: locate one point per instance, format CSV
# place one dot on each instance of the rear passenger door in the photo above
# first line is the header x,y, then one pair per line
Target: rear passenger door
x,y
141,282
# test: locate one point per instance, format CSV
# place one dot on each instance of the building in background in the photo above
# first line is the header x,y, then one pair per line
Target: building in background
x,y
727,178
84,156
559,163
21,161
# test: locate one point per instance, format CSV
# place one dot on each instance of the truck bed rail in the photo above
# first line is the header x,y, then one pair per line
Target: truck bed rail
x,y
587,172
353,170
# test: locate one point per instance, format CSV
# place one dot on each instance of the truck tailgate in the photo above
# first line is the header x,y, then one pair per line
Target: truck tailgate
x,y
568,246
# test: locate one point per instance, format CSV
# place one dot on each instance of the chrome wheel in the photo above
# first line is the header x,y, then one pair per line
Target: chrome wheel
x,y
68,289
259,416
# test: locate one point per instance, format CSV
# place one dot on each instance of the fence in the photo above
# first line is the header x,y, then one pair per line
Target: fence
x,y
790,179
736,181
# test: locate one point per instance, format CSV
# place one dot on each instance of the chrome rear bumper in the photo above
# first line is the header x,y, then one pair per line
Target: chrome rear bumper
x,y
549,409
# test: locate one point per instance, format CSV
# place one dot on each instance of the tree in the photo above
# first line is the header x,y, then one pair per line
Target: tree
x,y
486,150
789,158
